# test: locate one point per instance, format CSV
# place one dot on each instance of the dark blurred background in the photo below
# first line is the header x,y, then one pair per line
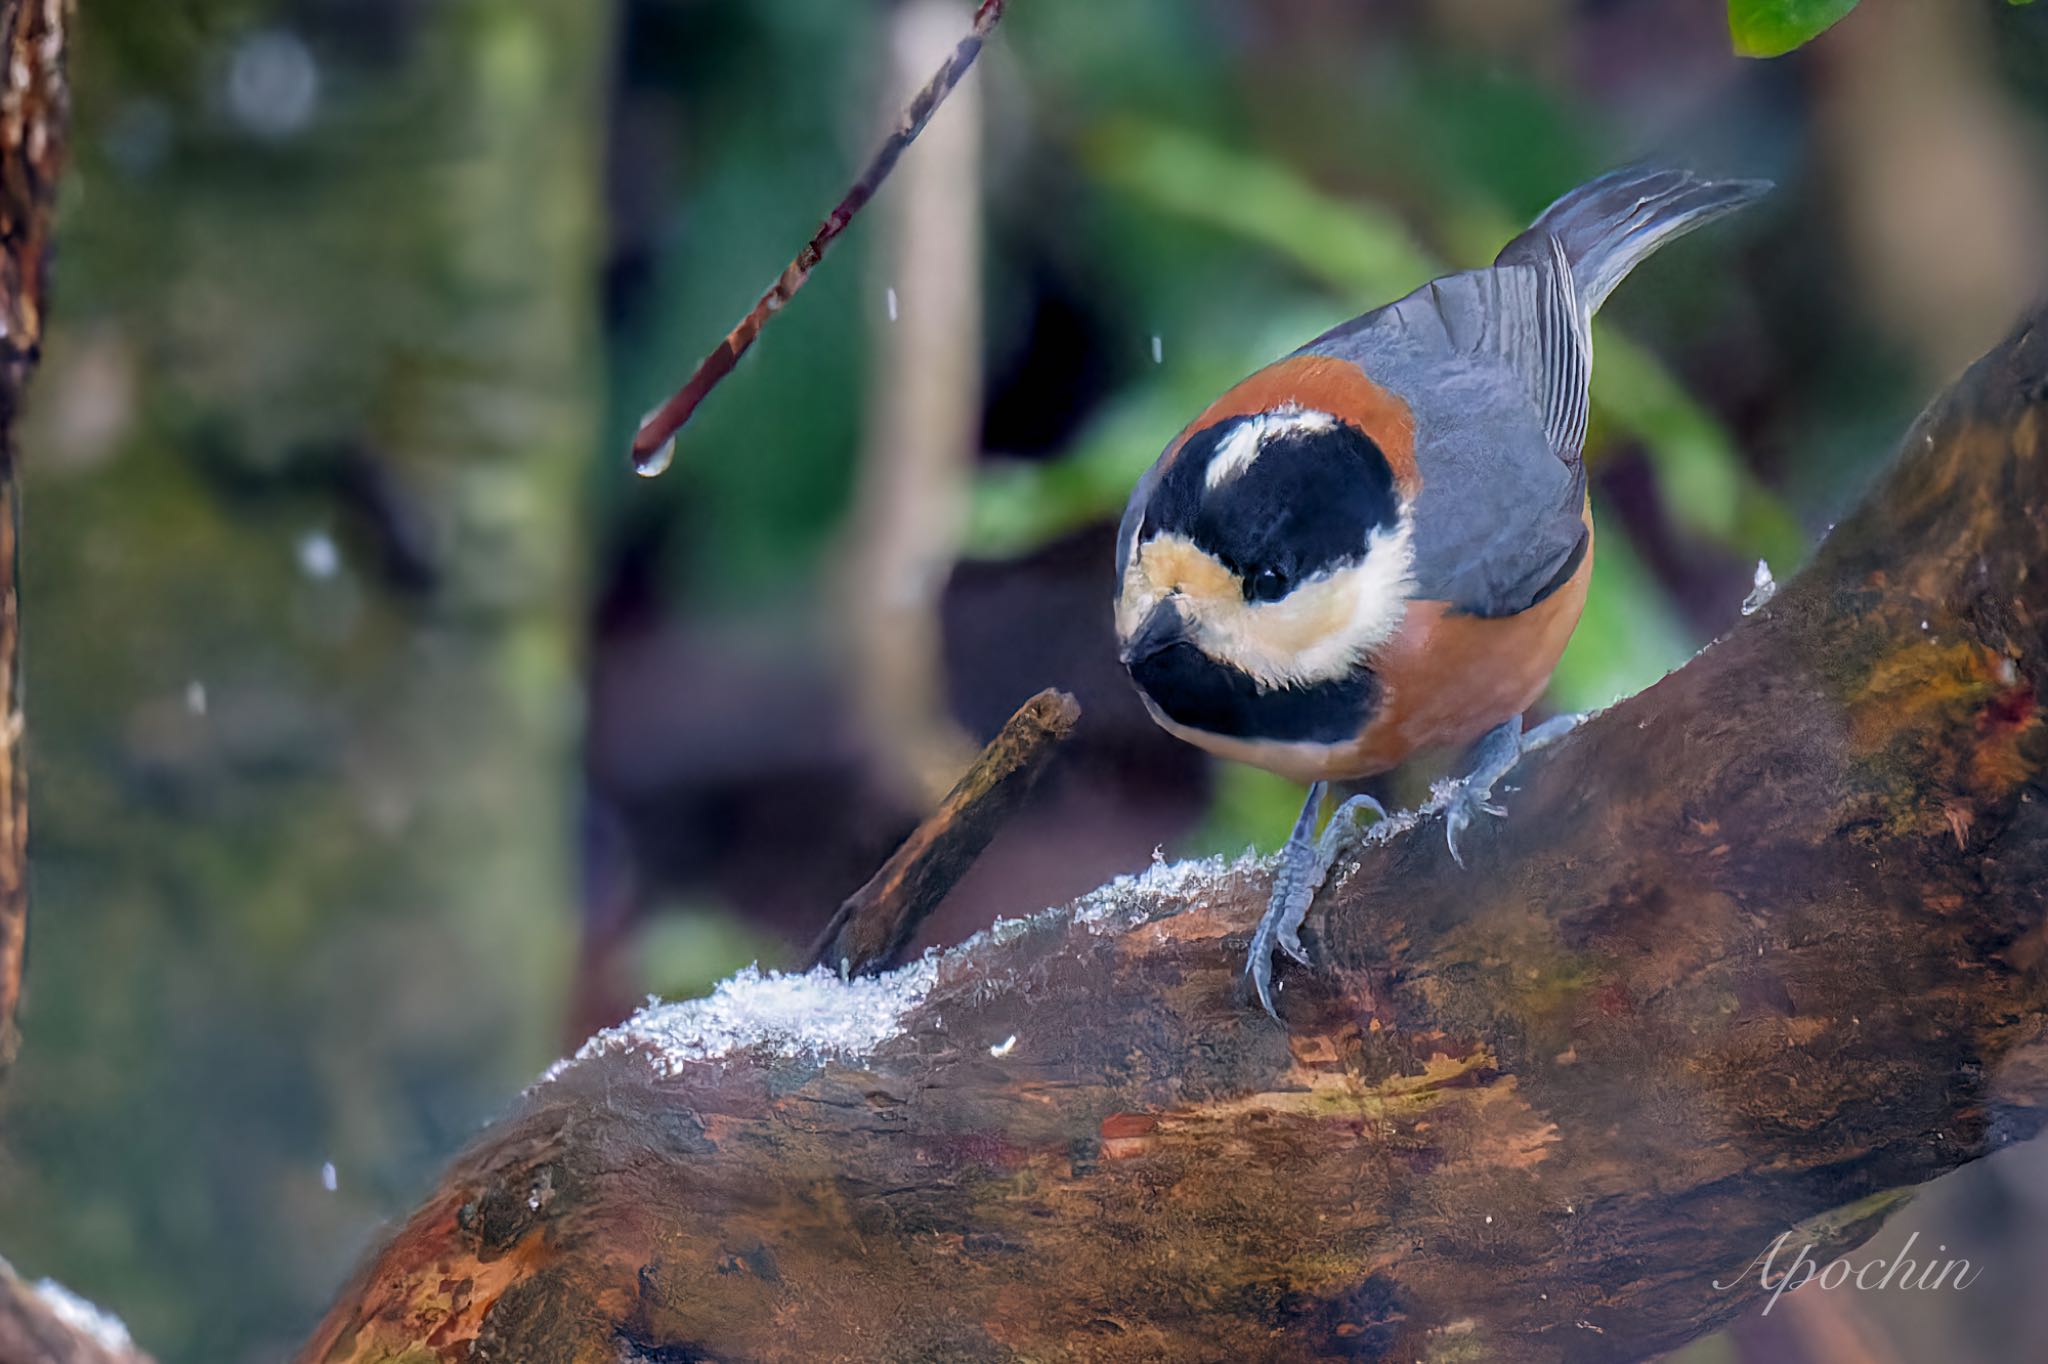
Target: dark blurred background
x,y
387,735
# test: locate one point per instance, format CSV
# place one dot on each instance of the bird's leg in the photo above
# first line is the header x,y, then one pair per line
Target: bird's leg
x,y
1493,758
1294,887
1551,730
1304,862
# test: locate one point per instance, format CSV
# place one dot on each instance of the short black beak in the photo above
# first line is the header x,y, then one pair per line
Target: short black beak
x,y
1163,629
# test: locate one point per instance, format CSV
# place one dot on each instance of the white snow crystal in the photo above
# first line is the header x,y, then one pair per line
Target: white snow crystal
x,y
273,83
330,1179
1138,898
1760,595
318,555
1004,1047
1009,930
101,1326
811,1016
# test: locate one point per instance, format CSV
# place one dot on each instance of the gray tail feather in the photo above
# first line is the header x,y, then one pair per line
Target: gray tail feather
x,y
1609,225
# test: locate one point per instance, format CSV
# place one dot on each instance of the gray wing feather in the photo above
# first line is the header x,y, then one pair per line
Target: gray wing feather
x,y
1566,367
1498,428
1528,319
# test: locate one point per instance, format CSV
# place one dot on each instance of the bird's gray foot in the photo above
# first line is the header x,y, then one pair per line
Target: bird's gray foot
x,y
1493,758
1304,863
1294,888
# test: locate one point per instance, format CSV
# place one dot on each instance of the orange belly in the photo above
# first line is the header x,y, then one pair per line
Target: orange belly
x,y
1446,679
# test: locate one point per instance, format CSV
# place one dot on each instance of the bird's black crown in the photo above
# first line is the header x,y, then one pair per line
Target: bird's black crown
x,y
1308,500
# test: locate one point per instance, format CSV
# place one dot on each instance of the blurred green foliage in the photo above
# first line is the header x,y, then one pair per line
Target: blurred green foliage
x,y
681,952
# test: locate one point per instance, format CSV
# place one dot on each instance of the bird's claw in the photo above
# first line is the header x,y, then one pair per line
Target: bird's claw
x,y
1466,806
1289,941
1280,928
1304,864
1494,758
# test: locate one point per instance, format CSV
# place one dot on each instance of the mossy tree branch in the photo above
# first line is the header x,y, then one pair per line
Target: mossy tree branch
x,y
1764,946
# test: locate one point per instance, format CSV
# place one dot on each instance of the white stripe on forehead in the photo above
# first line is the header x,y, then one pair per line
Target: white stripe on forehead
x,y
1241,447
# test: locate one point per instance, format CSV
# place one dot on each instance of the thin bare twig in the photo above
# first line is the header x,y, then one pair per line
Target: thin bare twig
x,y
651,447
876,922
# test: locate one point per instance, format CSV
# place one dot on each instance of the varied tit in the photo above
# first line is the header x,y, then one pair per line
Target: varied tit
x,y
1380,544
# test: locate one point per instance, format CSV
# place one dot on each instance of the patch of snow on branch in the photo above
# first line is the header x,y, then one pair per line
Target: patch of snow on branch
x,y
816,1016
1143,896
1760,595
810,1016
97,1324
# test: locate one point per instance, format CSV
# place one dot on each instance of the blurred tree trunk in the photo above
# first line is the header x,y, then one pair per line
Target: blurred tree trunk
x,y
1910,95
34,119
923,420
309,445
1754,952
39,1324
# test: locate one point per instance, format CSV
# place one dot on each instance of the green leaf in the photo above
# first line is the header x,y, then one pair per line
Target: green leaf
x,y
1771,28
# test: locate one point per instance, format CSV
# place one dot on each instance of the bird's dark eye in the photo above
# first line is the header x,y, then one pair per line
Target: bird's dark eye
x,y
1268,584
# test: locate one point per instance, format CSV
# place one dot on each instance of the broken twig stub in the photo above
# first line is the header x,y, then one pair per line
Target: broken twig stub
x,y
876,923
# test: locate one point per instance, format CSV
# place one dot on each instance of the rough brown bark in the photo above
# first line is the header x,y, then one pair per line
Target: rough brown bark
x,y
34,113
1762,947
